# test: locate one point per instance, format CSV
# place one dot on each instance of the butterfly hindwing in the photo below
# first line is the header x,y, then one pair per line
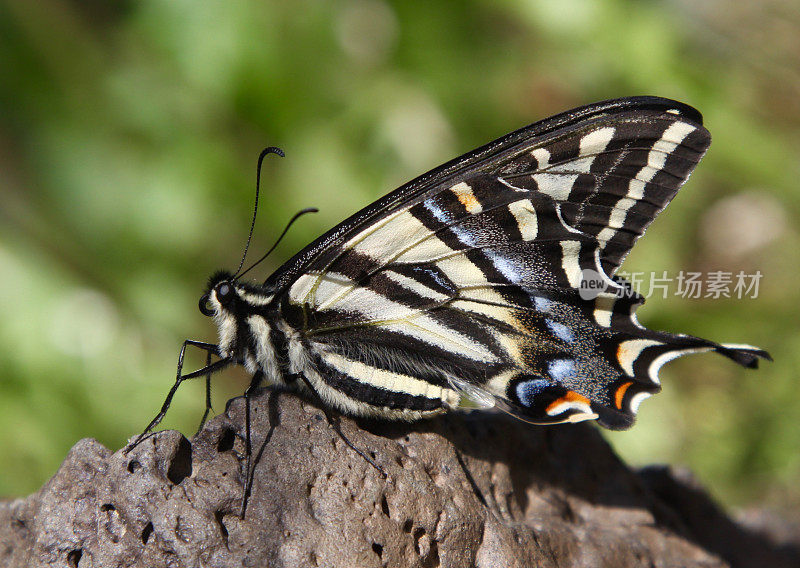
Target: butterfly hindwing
x,y
466,281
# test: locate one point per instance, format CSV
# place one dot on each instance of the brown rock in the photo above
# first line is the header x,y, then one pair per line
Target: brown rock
x,y
475,489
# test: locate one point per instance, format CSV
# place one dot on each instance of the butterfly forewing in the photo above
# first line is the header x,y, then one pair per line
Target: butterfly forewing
x,y
466,281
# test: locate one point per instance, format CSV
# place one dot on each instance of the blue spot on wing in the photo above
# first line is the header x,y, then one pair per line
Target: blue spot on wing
x,y
464,236
561,369
527,391
437,211
447,218
505,267
542,304
560,330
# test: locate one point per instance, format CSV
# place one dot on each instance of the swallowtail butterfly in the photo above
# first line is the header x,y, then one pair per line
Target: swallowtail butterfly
x,y
464,284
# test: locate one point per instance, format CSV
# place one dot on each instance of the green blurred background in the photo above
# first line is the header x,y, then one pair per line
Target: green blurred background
x,y
128,138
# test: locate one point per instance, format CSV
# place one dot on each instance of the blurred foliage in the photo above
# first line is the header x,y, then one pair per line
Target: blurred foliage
x,y
128,137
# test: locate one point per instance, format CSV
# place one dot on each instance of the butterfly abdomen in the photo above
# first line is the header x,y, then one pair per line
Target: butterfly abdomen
x,y
372,390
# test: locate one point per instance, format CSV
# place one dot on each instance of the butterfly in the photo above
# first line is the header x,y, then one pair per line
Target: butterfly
x,y
466,285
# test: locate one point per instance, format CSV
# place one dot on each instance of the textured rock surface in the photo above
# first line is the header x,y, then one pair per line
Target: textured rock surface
x,y
466,490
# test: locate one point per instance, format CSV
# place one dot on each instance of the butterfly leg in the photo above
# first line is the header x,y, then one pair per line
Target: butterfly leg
x,y
207,370
248,483
333,421
208,395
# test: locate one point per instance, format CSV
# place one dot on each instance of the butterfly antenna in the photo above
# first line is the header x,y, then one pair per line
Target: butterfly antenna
x,y
286,230
261,156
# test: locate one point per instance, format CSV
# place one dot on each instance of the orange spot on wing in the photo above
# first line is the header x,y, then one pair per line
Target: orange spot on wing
x,y
571,396
467,198
620,394
470,202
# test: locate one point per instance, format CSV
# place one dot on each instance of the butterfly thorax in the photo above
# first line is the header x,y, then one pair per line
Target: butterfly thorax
x,y
247,322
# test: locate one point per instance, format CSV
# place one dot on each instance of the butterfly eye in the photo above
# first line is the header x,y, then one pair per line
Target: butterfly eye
x,y
205,308
225,292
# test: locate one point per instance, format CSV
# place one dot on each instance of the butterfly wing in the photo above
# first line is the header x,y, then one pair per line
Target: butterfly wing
x,y
468,278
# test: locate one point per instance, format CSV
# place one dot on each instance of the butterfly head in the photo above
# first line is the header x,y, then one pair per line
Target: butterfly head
x,y
220,296
220,302
231,303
